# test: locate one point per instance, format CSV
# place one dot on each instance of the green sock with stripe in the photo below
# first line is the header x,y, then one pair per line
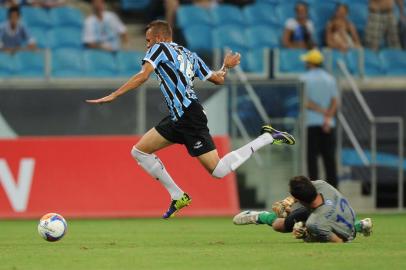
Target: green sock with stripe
x,y
358,226
267,218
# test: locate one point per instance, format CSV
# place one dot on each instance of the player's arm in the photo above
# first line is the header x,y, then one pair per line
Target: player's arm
x,y
230,61
135,81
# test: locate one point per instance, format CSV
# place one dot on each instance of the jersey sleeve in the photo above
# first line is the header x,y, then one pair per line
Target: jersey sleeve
x,y
202,70
156,54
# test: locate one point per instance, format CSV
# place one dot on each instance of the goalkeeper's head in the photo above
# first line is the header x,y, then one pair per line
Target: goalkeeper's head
x,y
302,189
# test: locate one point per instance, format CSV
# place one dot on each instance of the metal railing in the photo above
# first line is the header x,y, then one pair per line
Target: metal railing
x,y
372,130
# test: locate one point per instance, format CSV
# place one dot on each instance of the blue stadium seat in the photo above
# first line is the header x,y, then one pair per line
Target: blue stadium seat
x,y
134,4
230,36
394,62
3,14
289,61
287,11
7,65
253,61
67,63
65,37
350,59
263,36
100,64
129,62
358,14
372,64
30,64
40,35
188,15
35,17
325,11
66,16
198,37
258,14
227,14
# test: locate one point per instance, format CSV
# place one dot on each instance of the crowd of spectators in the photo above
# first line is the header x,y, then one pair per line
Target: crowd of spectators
x,y
102,29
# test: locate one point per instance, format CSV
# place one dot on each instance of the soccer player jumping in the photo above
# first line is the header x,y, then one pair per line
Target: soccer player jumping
x,y
176,67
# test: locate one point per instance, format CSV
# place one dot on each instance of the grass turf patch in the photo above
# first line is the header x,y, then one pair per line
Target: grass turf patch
x,y
195,243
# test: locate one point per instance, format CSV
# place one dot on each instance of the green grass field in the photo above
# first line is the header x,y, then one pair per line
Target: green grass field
x,y
199,243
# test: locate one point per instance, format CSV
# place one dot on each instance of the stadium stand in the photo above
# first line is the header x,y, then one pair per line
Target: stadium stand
x,y
6,65
29,64
229,36
129,62
227,15
260,14
394,61
198,37
373,64
67,63
189,15
99,64
261,36
36,17
65,37
3,14
66,16
40,35
289,61
134,4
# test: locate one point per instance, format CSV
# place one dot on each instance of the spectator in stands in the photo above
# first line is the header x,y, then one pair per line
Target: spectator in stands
x,y
321,94
11,3
382,21
103,29
13,34
47,3
340,32
299,31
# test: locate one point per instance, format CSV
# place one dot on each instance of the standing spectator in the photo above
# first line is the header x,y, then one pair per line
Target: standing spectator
x,y
47,3
341,34
321,94
382,21
299,31
104,30
13,34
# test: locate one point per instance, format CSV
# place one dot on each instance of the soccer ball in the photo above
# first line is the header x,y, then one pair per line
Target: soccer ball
x,y
52,227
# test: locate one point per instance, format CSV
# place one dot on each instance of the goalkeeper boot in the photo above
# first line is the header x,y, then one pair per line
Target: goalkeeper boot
x,y
279,137
246,218
176,205
366,227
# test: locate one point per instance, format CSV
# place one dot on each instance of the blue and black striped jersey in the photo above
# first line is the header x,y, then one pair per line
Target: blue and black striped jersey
x,y
176,68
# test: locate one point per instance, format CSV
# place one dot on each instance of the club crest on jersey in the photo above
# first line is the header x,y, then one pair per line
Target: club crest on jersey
x,y
197,145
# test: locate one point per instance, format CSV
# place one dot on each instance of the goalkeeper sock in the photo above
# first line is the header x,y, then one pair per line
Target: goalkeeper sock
x,y
358,226
267,218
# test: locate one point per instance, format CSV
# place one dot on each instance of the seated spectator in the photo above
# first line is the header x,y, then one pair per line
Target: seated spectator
x,y
46,3
13,34
382,22
299,31
11,3
104,30
340,32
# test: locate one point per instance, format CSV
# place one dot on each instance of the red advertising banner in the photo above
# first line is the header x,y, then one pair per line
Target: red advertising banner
x,y
98,177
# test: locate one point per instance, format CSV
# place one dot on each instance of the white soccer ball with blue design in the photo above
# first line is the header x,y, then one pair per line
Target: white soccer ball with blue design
x,y
52,227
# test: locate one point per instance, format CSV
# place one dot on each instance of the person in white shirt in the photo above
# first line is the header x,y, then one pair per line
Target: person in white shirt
x,y
104,30
299,31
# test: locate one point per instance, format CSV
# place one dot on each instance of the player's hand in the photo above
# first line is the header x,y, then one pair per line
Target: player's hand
x,y
232,59
105,99
299,230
